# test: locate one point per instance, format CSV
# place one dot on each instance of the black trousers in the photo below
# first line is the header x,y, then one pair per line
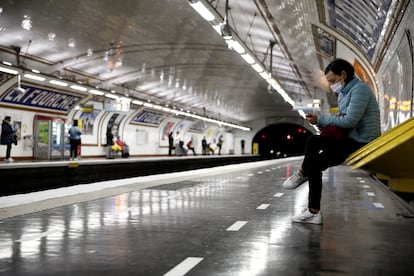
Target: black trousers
x,y
8,150
74,147
321,153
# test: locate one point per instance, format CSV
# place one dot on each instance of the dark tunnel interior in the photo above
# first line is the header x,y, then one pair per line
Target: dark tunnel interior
x,y
281,140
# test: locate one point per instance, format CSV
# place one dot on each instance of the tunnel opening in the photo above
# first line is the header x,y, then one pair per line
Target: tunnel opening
x,y
281,140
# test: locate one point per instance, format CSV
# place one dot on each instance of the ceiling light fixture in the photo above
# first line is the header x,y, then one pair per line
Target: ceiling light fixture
x,y
248,58
9,71
19,89
96,92
79,88
112,96
224,27
235,45
59,83
27,23
34,77
257,67
202,10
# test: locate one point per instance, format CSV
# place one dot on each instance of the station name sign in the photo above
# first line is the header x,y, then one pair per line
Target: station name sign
x,y
40,98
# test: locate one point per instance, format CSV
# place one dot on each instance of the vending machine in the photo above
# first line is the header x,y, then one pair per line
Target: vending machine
x,y
50,138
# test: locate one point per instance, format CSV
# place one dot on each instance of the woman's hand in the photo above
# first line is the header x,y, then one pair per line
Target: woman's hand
x,y
311,118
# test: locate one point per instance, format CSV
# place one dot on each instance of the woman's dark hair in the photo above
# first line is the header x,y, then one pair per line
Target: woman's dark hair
x,y
75,122
339,65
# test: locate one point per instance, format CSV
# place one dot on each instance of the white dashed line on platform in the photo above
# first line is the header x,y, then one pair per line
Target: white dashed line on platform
x,y
237,225
378,205
184,267
263,206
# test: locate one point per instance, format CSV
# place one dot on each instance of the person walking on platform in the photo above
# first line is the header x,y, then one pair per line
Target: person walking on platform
x,y
7,137
109,143
75,139
359,116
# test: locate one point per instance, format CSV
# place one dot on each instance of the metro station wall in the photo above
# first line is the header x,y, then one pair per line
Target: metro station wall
x,y
142,140
25,121
395,75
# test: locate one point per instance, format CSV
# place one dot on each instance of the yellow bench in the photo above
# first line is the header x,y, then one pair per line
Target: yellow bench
x,y
390,155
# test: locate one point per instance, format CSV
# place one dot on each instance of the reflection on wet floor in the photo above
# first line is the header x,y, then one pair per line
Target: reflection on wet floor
x,y
235,223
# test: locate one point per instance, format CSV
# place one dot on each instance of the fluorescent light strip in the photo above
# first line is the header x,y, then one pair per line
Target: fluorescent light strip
x,y
248,58
257,67
34,77
148,105
202,10
239,48
96,92
112,96
265,75
7,63
9,71
302,113
137,102
79,88
59,83
236,46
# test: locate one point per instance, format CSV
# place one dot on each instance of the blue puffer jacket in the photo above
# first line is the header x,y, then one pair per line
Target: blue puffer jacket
x,y
360,112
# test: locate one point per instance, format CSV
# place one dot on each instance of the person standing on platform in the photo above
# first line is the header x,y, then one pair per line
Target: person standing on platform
x,y
109,143
359,115
220,144
75,139
170,143
7,137
204,145
177,140
242,146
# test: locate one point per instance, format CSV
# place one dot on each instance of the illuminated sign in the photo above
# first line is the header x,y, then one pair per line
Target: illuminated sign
x,y
40,98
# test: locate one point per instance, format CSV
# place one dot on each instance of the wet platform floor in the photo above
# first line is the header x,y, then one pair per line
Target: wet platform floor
x,y
216,221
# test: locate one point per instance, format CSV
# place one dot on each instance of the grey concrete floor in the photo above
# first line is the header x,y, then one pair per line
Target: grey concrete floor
x,y
234,223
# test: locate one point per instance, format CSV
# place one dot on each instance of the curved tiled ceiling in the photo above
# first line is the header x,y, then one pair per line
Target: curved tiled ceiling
x,y
164,51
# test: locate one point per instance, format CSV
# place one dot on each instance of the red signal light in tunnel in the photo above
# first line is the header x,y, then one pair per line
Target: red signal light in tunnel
x,y
263,136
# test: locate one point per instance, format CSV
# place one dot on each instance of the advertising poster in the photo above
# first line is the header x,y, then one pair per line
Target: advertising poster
x,y
165,131
363,23
396,102
88,121
149,118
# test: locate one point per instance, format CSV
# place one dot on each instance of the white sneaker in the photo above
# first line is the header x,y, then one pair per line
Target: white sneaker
x,y
307,217
9,160
294,180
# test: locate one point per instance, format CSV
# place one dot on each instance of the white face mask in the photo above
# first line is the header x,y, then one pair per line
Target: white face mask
x,y
337,87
